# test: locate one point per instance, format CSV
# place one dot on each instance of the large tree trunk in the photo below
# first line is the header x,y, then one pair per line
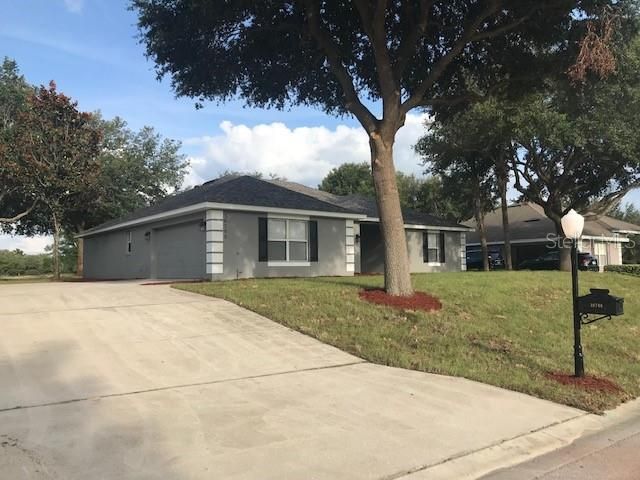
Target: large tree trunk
x,y
56,247
80,257
79,251
503,179
479,216
564,246
397,275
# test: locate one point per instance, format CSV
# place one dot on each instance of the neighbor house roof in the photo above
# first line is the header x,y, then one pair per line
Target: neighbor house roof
x,y
527,221
368,206
251,192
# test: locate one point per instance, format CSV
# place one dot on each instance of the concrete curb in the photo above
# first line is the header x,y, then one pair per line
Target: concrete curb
x,y
508,453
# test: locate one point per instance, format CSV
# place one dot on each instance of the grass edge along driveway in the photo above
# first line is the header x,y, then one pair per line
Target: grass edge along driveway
x,y
507,329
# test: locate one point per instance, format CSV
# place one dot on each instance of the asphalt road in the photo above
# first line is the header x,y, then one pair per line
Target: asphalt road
x,y
612,454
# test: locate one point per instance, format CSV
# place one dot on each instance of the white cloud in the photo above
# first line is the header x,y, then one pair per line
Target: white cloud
x,y
74,6
26,244
303,154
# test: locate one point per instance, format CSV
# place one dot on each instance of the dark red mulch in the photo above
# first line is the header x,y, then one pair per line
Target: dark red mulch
x,y
417,301
587,383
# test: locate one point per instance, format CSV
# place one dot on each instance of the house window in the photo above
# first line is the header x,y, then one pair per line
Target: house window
x,y
600,251
433,247
129,243
288,240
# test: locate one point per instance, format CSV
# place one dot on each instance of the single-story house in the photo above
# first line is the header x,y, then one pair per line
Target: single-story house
x,y
531,231
243,227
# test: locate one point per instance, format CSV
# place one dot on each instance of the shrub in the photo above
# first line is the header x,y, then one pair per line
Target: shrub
x,y
630,269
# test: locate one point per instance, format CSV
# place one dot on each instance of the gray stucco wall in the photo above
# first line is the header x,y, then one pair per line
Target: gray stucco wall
x,y
240,255
372,253
106,256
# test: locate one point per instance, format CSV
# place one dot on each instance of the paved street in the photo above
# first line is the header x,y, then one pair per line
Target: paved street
x,y
120,380
610,454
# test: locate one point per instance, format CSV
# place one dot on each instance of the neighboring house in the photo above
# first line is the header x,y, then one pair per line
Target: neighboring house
x,y
531,231
242,227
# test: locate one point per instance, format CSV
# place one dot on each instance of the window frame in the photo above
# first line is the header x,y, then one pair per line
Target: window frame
x,y
129,243
288,262
439,247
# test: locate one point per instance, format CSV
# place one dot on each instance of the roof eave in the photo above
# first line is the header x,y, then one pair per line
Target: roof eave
x,y
203,206
415,226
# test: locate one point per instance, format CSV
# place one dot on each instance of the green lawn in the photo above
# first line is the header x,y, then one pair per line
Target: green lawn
x,y
503,328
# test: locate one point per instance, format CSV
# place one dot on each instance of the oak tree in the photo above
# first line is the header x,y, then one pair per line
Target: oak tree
x,y
374,59
17,194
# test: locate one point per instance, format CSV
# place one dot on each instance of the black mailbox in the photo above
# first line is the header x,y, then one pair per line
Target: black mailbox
x,y
599,302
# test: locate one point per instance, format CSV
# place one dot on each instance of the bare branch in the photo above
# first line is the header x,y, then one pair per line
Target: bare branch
x,y
20,215
373,24
330,49
504,28
408,45
441,65
611,200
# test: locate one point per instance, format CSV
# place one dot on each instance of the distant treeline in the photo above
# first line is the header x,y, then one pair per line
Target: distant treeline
x,y
17,263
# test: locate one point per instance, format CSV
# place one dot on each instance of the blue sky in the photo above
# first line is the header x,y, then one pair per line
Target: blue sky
x,y
89,48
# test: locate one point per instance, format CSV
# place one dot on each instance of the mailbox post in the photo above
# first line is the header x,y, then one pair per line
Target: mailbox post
x,y
578,356
598,302
572,224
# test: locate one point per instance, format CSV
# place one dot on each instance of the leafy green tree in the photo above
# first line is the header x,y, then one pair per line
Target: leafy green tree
x,y
349,179
135,169
343,55
567,146
468,175
422,194
629,213
438,198
579,148
17,263
58,146
17,189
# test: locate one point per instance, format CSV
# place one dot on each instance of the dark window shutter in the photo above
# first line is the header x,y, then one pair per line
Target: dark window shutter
x,y
425,247
263,254
442,259
313,241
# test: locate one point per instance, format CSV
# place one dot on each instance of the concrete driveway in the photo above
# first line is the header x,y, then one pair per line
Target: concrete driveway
x,y
121,380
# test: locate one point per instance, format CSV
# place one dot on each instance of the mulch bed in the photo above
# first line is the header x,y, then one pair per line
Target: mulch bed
x,y
417,301
587,383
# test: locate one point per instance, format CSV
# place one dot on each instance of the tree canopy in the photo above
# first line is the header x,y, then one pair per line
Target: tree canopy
x,y
55,146
425,194
341,56
62,170
17,192
136,169
566,146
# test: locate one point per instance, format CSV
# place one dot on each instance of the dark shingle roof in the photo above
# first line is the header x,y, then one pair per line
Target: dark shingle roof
x,y
251,191
367,206
235,190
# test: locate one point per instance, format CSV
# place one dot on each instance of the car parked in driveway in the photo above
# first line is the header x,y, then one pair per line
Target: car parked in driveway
x,y
551,261
474,260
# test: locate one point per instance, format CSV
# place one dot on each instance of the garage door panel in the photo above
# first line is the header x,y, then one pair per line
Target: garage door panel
x,y
180,251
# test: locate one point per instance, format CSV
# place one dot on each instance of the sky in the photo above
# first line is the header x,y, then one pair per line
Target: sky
x,y
90,49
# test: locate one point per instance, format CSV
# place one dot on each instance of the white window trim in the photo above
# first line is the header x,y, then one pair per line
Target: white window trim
x,y
285,263
437,249
288,262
